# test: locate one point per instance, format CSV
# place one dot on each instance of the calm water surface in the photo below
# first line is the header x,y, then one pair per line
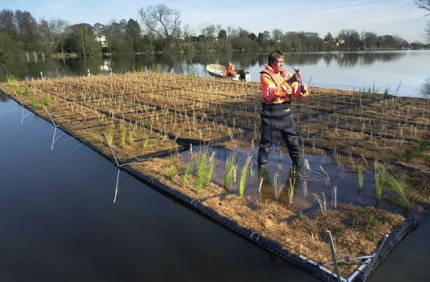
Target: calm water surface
x,y
403,73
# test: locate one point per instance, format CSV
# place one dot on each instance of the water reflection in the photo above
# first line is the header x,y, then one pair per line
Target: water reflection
x,y
343,70
3,97
280,181
425,89
280,189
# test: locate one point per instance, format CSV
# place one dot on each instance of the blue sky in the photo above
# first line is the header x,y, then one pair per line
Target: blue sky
x,y
393,17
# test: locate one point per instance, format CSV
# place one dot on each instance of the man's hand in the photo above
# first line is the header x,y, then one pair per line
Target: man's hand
x,y
304,90
297,76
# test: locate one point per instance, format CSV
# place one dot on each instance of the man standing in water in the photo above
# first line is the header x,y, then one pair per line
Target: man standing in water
x,y
277,87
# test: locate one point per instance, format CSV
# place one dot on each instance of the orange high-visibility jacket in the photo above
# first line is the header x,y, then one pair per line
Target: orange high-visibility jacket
x,y
230,70
275,88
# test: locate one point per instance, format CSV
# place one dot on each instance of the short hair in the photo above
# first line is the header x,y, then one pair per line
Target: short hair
x,y
274,55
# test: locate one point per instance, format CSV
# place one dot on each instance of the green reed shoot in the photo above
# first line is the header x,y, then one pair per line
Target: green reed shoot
x,y
110,136
210,169
26,90
400,187
132,134
124,137
11,78
184,181
379,176
145,143
244,175
201,168
96,137
171,168
46,100
230,169
34,102
372,222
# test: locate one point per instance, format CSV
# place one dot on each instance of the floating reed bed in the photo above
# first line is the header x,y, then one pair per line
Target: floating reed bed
x,y
143,117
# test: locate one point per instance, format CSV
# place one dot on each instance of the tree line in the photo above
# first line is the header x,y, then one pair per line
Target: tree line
x,y
160,31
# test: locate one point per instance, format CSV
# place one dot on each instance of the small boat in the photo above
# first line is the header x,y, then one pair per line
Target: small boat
x,y
217,70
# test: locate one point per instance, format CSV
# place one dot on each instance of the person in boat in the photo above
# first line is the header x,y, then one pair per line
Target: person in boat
x,y
230,70
277,88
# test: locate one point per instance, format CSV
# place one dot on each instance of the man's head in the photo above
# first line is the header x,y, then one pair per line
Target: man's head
x,y
276,60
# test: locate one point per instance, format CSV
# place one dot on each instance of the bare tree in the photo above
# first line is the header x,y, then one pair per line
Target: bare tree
x,y
351,39
83,36
423,4
427,30
7,22
189,37
161,20
50,34
208,30
277,34
188,31
133,34
369,39
115,33
99,29
27,29
231,31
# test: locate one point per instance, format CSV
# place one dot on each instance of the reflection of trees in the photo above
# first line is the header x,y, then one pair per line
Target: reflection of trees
x,y
82,65
178,62
425,89
291,59
155,62
171,63
3,72
294,59
23,69
351,59
11,64
348,59
343,59
3,97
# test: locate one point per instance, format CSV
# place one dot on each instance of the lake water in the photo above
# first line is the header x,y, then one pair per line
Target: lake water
x,y
403,73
